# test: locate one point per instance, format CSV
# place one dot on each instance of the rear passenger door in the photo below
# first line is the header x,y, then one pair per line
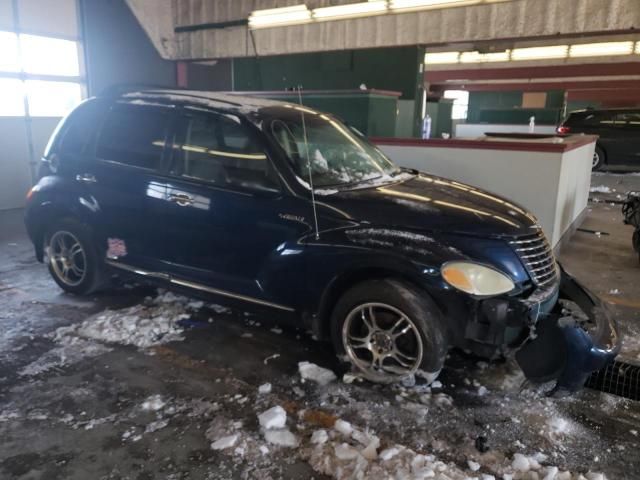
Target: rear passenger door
x,y
225,217
125,184
627,126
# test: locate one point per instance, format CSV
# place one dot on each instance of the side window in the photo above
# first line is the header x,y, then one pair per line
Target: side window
x,y
133,135
219,149
81,126
628,119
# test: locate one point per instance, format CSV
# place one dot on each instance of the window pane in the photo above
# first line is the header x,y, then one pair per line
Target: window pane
x,y
52,99
49,56
9,52
11,97
80,126
134,136
219,149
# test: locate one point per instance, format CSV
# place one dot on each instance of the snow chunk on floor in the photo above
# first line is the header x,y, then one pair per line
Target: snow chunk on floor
x,y
343,427
273,418
319,437
225,442
311,371
282,437
520,463
153,403
264,389
600,189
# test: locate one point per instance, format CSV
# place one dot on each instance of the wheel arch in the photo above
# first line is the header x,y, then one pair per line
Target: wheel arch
x,y
321,321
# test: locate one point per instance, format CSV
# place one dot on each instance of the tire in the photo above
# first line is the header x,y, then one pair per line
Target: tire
x,y
71,257
398,308
599,157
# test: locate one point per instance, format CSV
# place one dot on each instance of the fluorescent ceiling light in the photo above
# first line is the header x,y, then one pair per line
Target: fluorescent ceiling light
x,y
351,10
441,57
540,53
273,17
409,5
477,57
601,49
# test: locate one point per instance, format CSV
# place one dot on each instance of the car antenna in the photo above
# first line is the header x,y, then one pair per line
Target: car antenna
x,y
306,146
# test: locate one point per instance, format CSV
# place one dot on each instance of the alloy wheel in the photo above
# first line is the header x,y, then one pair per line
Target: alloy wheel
x,y
382,341
67,258
596,160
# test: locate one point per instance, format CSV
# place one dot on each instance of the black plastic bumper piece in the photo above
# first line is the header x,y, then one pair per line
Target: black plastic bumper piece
x,y
568,346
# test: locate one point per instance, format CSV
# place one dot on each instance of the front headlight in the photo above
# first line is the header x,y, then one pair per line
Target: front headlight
x,y
476,279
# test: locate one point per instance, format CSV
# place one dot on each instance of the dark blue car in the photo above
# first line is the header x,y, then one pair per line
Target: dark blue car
x,y
280,208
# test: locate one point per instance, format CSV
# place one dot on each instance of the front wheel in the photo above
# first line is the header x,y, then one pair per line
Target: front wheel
x,y
389,330
71,257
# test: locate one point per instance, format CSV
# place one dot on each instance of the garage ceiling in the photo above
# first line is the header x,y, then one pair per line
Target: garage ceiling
x,y
515,19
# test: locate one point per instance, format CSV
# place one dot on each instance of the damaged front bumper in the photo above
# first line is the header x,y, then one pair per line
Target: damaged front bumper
x,y
575,338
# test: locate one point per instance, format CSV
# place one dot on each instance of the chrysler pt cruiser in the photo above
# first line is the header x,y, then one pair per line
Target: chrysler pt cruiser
x,y
283,209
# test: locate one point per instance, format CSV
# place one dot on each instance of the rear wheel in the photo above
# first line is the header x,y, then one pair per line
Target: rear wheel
x,y
598,159
71,257
388,330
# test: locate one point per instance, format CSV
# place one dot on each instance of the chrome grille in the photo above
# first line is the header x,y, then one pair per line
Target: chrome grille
x,y
537,256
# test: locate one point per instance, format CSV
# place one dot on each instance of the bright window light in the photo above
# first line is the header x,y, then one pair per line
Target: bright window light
x,y
460,103
477,57
350,10
52,99
49,56
540,53
11,97
279,16
9,52
638,47
441,57
601,49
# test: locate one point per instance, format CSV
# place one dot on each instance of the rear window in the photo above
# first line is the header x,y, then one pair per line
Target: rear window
x,y
590,119
134,135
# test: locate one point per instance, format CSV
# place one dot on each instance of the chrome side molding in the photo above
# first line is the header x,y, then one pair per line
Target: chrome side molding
x,y
195,286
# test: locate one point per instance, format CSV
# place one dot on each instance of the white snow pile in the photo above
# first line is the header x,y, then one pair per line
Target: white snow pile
x,y
600,189
273,423
152,323
315,373
346,452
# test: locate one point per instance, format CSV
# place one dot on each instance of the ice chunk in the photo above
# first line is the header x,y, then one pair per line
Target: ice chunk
x,y
371,451
157,425
473,466
153,403
264,450
264,388
436,384
282,437
389,453
225,442
311,371
343,427
273,418
344,451
550,473
319,437
595,476
520,463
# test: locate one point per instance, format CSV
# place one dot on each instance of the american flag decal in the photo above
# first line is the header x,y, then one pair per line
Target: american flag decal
x,y
116,248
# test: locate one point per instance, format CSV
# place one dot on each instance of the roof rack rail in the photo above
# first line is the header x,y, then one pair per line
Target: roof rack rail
x,y
120,90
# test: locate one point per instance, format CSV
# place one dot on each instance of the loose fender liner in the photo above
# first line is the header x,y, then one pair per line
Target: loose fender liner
x,y
578,337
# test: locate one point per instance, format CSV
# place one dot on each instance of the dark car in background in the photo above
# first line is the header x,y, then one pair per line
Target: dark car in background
x,y
278,208
619,132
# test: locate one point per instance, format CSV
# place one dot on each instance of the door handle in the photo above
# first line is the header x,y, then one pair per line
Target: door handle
x,y
181,199
86,178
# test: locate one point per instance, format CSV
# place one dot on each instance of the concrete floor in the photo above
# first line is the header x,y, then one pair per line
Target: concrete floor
x,y
88,417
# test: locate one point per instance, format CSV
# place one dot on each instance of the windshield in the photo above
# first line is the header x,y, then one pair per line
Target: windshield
x,y
338,156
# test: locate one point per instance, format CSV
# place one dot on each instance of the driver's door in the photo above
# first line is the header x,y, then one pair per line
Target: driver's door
x,y
226,215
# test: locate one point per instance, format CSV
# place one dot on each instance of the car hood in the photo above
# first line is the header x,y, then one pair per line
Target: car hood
x,y
429,203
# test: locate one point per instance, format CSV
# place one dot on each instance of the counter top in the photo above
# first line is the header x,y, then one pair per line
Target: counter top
x,y
531,143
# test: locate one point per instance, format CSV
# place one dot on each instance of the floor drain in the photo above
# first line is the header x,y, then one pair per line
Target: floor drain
x,y
618,378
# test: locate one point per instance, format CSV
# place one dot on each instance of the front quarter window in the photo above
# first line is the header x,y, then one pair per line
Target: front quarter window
x,y
337,156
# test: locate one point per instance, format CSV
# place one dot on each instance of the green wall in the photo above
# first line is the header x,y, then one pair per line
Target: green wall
x,y
506,107
380,68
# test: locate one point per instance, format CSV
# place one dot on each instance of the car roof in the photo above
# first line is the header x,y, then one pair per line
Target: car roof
x,y
227,101
604,110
